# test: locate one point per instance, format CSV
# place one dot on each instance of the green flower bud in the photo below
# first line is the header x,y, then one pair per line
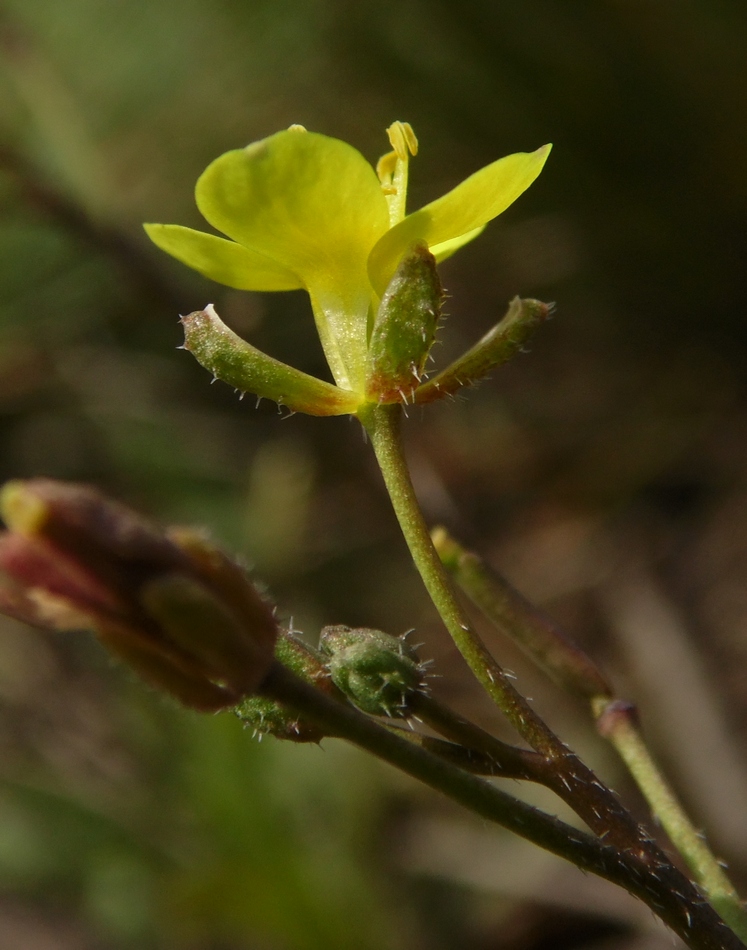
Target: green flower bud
x,y
405,328
378,672
267,717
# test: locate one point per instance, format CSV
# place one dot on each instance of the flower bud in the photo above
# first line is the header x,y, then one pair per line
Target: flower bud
x,y
405,328
378,672
266,716
173,606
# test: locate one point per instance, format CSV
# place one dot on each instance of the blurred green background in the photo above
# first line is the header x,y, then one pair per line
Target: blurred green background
x,y
605,473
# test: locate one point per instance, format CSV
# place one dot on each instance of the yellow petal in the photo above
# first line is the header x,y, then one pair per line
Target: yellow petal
x,y
223,261
447,248
474,202
314,205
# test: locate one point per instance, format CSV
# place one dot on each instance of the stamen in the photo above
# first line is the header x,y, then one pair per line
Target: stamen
x,y
392,169
403,140
385,170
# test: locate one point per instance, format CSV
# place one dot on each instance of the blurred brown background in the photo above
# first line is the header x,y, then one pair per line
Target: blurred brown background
x,y
605,473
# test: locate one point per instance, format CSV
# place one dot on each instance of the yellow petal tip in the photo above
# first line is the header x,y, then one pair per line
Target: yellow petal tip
x,y
22,510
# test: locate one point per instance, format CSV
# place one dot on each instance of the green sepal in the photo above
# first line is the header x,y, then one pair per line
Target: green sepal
x,y
404,329
496,347
243,366
266,716
375,670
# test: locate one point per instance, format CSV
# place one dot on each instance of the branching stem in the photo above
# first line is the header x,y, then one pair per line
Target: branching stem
x,y
662,887
597,805
559,657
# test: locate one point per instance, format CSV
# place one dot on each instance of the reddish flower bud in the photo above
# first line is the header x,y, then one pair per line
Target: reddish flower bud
x,y
171,604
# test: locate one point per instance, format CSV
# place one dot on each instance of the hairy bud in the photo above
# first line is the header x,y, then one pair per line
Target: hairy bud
x,y
405,328
378,672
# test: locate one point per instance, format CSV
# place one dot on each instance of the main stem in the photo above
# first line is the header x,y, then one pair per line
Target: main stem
x,y
569,778
383,424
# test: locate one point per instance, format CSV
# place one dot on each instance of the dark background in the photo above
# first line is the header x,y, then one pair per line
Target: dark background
x,y
605,473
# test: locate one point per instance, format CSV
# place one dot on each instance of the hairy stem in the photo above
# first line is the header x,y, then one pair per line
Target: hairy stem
x,y
382,424
569,778
662,887
465,757
506,760
616,721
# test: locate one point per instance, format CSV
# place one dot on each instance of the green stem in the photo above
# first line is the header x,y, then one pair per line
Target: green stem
x,y
495,757
553,651
661,886
382,424
467,758
569,778
617,722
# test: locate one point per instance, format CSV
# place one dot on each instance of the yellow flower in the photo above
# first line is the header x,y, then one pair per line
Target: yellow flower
x,y
303,210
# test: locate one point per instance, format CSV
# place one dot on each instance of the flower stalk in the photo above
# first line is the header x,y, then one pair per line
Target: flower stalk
x,y
617,721
573,781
